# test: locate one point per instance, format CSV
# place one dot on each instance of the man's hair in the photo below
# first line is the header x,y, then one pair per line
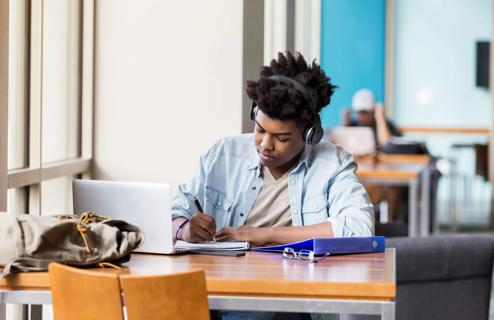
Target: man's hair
x,y
281,100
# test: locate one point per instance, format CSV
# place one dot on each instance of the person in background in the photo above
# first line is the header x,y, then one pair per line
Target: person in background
x,y
370,114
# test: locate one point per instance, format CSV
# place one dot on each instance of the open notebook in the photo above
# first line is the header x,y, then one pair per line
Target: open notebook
x,y
210,245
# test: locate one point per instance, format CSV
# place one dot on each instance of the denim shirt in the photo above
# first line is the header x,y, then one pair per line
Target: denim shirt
x,y
322,187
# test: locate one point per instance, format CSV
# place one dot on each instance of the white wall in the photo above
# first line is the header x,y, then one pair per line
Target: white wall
x,y
435,63
168,83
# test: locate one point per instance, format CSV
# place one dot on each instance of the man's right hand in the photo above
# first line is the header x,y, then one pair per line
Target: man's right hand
x,y
379,113
201,227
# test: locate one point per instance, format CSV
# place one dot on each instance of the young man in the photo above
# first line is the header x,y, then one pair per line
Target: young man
x,y
280,184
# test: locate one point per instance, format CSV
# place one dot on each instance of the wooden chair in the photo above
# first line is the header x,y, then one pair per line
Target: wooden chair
x,y
79,294
174,296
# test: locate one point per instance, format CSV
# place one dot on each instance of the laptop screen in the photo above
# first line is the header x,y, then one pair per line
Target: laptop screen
x,y
358,141
146,205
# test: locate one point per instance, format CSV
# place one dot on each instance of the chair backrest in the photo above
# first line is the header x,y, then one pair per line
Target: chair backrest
x,y
174,296
445,277
82,294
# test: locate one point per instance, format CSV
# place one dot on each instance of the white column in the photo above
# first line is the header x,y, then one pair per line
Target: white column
x,y
315,30
36,73
389,59
308,29
275,28
87,81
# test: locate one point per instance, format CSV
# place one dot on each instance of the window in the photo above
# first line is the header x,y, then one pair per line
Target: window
x,y
61,80
46,117
18,89
16,200
56,195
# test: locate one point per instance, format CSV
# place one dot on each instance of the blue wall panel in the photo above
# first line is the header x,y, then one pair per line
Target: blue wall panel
x,y
352,51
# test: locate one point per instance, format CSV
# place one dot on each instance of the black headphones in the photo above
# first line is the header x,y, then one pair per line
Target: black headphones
x,y
314,132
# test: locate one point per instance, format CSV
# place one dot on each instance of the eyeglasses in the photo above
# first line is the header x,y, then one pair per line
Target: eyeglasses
x,y
303,255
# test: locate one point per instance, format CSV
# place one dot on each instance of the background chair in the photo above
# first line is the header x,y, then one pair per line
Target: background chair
x,y
175,296
392,229
79,294
443,277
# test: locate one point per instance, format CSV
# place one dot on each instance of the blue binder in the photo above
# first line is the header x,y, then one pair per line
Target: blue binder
x,y
321,246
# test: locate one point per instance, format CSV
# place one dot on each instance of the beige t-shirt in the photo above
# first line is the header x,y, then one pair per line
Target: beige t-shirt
x,y
272,206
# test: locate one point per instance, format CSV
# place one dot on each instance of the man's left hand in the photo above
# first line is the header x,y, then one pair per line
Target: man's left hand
x,y
256,236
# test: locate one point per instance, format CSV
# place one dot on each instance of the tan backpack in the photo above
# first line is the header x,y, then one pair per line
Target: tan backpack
x,y
30,243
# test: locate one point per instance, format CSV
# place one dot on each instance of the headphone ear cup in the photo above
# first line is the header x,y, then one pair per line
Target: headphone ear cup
x,y
314,133
318,134
253,112
308,133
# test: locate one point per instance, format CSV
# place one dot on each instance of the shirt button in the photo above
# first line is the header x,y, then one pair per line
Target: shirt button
x,y
254,188
292,182
241,214
295,210
315,206
219,203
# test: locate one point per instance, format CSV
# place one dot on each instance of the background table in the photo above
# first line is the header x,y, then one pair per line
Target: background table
x,y
403,170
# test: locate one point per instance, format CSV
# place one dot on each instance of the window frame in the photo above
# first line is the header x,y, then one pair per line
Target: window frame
x,y
4,100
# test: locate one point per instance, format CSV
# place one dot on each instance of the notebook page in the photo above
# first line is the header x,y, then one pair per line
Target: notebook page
x,y
210,245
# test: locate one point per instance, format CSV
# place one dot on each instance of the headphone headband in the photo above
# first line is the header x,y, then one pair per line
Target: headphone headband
x,y
298,86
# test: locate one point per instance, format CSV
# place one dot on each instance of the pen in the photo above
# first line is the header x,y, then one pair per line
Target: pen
x,y
199,208
198,205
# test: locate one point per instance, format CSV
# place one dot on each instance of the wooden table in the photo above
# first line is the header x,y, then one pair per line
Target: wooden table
x,y
408,170
358,283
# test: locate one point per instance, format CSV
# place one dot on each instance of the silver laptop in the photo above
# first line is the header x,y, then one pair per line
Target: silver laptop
x,y
358,141
147,205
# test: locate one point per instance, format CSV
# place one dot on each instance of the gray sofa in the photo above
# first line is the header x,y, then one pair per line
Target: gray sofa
x,y
442,277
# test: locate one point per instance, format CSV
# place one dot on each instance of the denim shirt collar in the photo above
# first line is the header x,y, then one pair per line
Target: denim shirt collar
x,y
254,162
306,157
